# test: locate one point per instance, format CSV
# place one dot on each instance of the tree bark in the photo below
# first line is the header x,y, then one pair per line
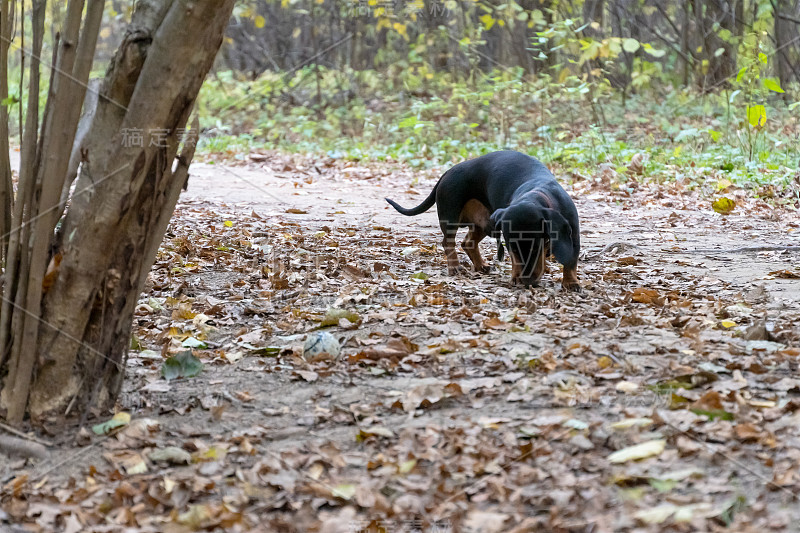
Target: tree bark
x,y
6,186
785,31
124,195
108,230
725,14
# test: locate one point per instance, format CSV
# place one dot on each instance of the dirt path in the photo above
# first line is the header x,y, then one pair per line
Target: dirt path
x,y
459,404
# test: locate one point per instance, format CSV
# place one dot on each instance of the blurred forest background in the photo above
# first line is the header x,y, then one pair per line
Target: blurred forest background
x,y
689,83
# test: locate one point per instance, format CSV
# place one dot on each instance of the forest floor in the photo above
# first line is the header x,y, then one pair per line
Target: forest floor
x,y
665,396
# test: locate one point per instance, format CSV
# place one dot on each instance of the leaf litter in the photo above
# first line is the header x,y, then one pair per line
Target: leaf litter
x,y
662,396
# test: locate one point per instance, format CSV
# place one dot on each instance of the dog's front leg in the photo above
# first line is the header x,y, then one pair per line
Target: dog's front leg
x,y
570,280
540,248
470,245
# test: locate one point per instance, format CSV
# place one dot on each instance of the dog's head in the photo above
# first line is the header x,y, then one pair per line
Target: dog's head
x,y
528,229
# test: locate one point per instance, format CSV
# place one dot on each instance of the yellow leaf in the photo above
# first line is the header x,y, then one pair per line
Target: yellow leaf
x,y
214,453
407,466
605,362
487,20
117,421
401,29
773,85
723,184
260,22
724,205
638,451
632,422
122,417
727,324
344,491
184,312
228,224
757,116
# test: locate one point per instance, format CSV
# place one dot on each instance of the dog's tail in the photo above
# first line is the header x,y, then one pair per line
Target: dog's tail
x,y
421,208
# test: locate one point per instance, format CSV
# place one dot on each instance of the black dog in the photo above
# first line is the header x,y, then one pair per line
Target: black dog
x,y
513,195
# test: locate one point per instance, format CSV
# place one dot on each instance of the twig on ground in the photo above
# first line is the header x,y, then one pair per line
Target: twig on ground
x,y
746,249
22,435
618,246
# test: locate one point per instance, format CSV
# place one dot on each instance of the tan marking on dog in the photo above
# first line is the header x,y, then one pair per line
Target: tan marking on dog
x,y
516,268
450,253
570,279
476,215
539,267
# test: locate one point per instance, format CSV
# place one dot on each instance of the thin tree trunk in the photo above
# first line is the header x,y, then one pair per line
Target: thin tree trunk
x,y
15,284
67,333
112,232
76,52
6,185
685,41
785,31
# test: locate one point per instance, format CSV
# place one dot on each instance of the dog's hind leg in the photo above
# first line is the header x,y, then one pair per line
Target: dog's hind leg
x,y
449,244
475,215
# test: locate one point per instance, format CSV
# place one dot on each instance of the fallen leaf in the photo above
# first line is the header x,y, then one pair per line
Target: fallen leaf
x,y
182,365
723,205
638,451
117,421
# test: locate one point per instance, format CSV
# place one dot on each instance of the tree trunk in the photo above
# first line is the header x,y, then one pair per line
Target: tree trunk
x,y
724,14
593,15
785,32
6,186
131,175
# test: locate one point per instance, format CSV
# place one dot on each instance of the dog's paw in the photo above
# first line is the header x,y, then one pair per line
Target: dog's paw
x,y
460,270
486,269
572,287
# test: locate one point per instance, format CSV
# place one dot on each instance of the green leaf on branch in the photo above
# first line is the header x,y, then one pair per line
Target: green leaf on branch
x,y
655,52
630,45
757,116
773,85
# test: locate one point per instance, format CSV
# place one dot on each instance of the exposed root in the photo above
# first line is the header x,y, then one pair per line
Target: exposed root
x,y
22,448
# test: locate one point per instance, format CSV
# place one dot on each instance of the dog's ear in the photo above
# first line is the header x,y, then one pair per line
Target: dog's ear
x,y
496,219
560,236
496,223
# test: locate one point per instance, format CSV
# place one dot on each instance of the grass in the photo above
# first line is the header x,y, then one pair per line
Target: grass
x,y
434,120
